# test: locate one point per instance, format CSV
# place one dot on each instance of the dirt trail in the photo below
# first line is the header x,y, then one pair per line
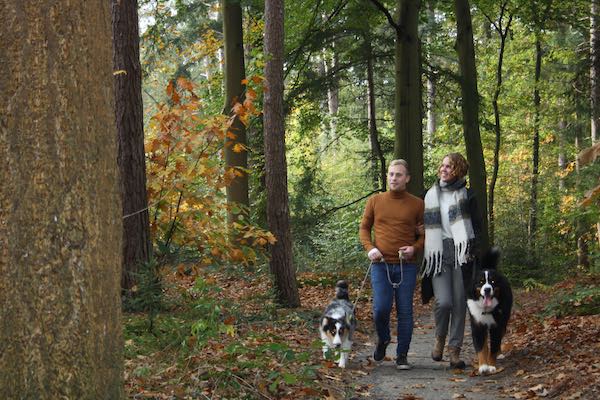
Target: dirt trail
x,y
429,379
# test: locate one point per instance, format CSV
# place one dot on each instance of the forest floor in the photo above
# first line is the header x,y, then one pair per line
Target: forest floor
x,y
225,339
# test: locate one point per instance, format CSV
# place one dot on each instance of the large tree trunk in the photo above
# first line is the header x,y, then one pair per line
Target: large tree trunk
x,y
533,206
595,68
137,245
409,125
470,111
60,207
236,157
278,216
378,167
502,33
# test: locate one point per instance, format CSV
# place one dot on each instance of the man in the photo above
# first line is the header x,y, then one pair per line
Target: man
x,y
394,217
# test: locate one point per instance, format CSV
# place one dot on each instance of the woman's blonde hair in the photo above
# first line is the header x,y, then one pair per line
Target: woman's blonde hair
x,y
460,166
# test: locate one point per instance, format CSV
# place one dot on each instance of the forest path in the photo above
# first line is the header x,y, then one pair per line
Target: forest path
x,y
429,379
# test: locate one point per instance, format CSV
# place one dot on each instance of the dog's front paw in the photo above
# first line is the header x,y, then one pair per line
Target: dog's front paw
x,y
342,364
485,369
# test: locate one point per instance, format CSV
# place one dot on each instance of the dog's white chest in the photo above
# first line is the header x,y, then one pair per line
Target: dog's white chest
x,y
481,315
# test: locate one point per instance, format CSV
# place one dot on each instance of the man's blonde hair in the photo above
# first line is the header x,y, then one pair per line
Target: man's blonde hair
x,y
400,161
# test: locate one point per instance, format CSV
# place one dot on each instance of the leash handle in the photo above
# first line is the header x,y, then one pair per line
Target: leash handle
x,y
361,286
395,285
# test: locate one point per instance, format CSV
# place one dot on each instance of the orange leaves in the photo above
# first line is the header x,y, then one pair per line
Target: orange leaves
x,y
185,84
238,148
172,93
245,110
231,135
175,87
186,175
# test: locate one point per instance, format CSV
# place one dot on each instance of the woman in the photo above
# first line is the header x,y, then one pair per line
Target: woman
x,y
451,226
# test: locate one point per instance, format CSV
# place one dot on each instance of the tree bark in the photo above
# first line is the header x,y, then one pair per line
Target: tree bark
x,y
236,157
333,94
595,68
408,109
535,150
583,260
431,116
137,244
502,33
281,264
60,211
378,167
562,159
470,111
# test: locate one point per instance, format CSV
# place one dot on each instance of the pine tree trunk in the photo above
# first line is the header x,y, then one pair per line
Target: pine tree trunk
x,y
595,68
503,33
431,117
378,167
470,111
533,206
408,114
278,218
562,159
235,72
333,94
137,244
60,207
583,260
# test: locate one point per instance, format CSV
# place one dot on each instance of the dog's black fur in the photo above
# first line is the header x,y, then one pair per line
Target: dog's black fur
x,y
489,300
338,325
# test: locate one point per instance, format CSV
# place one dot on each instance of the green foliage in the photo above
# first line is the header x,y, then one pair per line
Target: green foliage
x,y
186,327
147,294
207,307
581,300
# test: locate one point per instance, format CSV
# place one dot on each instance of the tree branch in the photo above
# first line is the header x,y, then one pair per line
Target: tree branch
x,y
387,14
334,209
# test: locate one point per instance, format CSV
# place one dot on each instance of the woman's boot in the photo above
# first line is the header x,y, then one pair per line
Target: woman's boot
x,y
438,348
455,361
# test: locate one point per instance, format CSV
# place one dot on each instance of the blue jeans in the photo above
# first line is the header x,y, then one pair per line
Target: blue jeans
x,y
383,297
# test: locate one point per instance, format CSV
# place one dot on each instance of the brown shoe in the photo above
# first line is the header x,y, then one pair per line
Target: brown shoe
x,y
438,350
455,361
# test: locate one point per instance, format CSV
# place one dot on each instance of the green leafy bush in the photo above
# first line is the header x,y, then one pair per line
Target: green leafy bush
x,y
581,300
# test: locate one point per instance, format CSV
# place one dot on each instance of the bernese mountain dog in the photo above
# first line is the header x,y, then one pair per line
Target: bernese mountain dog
x,y
489,300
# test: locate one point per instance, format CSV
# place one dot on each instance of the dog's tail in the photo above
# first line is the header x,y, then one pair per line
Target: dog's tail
x,y
341,290
490,258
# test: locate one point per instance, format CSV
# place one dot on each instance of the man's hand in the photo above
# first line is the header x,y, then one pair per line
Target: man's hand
x,y
375,254
407,251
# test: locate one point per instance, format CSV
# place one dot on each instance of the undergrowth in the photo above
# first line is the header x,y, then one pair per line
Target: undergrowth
x,y
205,344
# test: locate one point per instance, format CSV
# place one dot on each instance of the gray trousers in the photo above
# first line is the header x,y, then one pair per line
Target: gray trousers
x,y
450,300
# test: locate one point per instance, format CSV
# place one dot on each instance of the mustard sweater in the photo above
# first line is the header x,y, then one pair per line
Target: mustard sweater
x,y
393,217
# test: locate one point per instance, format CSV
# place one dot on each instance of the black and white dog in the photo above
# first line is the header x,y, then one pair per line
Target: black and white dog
x,y
489,299
338,325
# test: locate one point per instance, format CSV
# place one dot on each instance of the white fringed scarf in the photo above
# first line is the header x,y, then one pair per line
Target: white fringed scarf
x,y
460,226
